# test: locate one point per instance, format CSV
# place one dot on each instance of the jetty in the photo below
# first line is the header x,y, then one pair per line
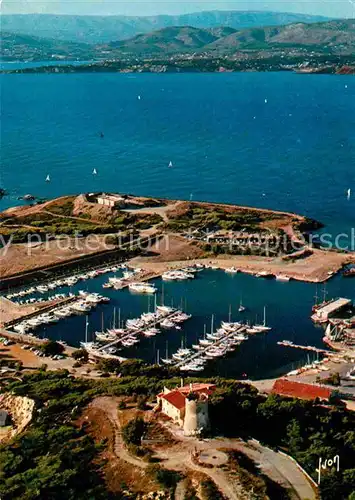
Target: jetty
x,y
134,331
323,313
288,343
216,343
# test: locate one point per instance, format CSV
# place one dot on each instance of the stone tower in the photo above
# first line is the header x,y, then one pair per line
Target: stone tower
x,y
196,414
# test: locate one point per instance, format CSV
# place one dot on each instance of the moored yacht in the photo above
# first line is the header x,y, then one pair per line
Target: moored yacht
x,y
142,287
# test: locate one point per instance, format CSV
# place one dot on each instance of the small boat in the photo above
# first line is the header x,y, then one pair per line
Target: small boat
x,y
252,330
142,288
205,342
241,307
262,327
282,277
349,194
166,323
230,326
232,270
48,179
94,172
170,164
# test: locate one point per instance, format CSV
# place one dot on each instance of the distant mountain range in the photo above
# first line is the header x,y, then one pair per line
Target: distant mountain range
x,y
103,29
330,36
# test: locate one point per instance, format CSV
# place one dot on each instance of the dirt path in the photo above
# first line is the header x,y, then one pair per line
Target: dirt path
x,y
162,211
81,219
277,467
180,490
109,406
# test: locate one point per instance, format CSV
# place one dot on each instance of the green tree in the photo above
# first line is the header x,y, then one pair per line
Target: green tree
x,y
294,438
109,365
133,432
51,348
81,355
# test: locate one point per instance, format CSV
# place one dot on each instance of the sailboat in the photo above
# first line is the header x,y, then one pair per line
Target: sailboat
x,y
139,98
48,179
86,344
349,194
170,164
166,360
262,327
94,172
241,307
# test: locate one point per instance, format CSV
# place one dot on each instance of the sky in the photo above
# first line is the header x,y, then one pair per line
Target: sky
x,y
331,8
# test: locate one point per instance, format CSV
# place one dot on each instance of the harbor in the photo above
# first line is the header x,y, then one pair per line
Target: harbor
x,y
210,291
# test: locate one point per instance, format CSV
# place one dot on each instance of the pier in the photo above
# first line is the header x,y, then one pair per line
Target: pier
x,y
216,343
304,347
323,313
134,331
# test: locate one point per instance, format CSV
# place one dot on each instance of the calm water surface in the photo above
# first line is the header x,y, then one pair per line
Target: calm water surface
x,y
288,308
294,152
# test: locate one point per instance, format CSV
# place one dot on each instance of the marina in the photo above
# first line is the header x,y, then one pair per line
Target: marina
x,y
212,291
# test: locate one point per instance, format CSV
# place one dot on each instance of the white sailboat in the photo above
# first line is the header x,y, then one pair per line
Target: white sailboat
x,y
262,327
48,179
94,172
349,194
170,164
241,307
139,97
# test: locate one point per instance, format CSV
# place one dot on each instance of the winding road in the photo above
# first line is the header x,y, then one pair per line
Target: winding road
x,y
278,467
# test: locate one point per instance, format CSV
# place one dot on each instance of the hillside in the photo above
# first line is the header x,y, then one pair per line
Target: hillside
x,y
18,47
331,36
103,29
172,40
334,36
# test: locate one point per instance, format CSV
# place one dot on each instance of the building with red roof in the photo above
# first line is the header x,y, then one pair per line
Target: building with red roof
x,y
173,402
291,388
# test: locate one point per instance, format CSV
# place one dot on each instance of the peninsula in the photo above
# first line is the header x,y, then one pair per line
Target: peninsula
x,y
160,234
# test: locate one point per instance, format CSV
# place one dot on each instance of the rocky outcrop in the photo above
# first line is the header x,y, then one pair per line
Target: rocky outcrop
x,y
21,411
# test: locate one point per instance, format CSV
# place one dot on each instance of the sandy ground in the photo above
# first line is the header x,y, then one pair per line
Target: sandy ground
x,y
26,257
9,310
315,268
30,360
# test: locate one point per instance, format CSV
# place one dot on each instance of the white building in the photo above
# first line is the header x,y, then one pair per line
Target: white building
x,y
111,200
187,406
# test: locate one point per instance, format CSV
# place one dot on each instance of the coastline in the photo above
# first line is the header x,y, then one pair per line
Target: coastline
x,y
317,268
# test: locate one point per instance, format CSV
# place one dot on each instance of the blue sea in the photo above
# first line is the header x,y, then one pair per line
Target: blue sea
x,y
294,152
274,140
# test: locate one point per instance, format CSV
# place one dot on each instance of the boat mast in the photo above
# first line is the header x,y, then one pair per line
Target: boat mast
x,y
325,292
212,318
264,316
86,328
119,318
114,318
167,350
229,313
204,331
316,295
102,322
